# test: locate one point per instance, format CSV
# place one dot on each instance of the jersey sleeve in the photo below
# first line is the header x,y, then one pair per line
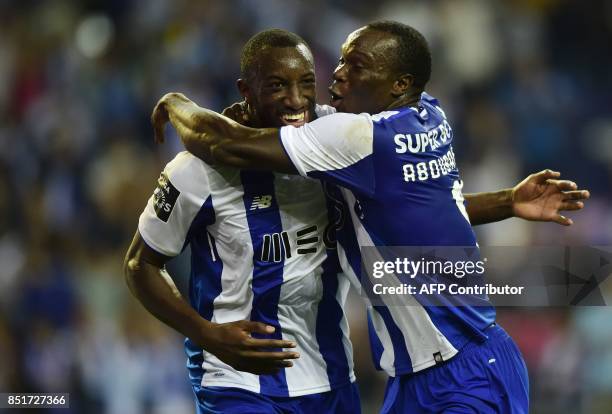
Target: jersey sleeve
x,y
182,195
336,148
323,110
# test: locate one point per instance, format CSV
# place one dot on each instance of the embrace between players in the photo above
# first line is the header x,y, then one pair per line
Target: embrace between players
x,y
274,253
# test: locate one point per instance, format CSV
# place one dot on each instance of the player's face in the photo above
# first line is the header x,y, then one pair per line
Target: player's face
x,y
363,79
283,92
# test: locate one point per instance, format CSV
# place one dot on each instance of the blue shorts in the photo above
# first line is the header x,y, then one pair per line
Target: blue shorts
x,y
227,400
484,377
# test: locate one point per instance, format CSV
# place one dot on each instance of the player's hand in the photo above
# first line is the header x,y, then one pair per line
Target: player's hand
x,y
542,196
160,117
238,112
233,344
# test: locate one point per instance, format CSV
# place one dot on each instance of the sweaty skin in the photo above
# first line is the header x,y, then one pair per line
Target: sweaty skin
x,y
282,91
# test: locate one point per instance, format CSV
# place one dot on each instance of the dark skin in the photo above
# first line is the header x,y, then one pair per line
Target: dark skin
x,y
230,342
364,81
280,92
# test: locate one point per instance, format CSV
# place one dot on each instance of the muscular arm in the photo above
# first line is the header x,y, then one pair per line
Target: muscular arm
x,y
539,197
149,282
489,207
217,139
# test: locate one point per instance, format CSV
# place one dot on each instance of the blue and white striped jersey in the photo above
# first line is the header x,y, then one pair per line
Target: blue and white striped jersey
x,y
399,187
258,253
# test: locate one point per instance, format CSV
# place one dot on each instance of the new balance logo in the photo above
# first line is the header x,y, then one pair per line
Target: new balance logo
x,y
260,202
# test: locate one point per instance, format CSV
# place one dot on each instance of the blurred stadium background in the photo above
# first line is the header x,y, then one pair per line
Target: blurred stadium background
x,y
525,83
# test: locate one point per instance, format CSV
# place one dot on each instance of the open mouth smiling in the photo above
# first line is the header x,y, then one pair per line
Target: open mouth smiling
x,y
298,119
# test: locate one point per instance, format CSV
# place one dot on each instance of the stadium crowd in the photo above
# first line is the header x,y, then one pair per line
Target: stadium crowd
x,y
526,85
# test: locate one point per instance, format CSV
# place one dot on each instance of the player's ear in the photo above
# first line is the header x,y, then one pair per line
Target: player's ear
x,y
402,84
244,89
247,94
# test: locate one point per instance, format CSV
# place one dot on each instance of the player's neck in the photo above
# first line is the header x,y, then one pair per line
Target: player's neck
x,y
254,121
407,99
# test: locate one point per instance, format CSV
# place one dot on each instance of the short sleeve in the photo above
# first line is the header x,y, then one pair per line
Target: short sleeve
x,y
336,148
181,195
324,110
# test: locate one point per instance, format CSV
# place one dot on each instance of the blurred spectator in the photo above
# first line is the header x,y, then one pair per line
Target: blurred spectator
x,y
525,83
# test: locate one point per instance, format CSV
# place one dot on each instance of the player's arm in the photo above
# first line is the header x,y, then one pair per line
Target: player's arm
x,y
333,148
217,139
232,343
539,197
163,231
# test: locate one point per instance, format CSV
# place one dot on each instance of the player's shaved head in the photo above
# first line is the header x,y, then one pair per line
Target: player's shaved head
x,y
412,54
272,38
277,79
382,65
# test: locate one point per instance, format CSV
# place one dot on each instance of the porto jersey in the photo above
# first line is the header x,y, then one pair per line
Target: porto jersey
x,y
398,185
259,251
